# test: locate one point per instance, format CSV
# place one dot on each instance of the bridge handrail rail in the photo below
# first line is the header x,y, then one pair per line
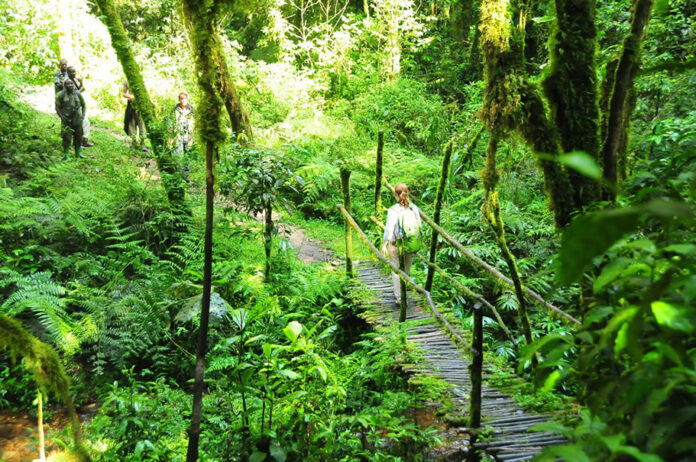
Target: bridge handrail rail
x,y
488,268
461,287
457,337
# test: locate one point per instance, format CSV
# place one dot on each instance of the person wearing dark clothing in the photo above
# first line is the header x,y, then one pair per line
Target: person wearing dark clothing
x,y
132,123
60,76
70,106
80,86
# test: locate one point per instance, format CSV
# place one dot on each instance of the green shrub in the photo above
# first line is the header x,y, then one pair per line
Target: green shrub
x,y
406,111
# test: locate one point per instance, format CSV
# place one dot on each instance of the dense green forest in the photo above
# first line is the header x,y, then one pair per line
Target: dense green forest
x,y
170,303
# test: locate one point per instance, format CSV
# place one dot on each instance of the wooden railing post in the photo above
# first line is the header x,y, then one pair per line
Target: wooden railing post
x,y
436,216
475,369
345,187
378,175
402,284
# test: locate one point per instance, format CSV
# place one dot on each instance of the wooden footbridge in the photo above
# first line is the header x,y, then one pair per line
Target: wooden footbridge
x,y
447,352
510,440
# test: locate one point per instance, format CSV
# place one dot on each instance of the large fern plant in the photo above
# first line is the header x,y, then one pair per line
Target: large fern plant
x,y
36,296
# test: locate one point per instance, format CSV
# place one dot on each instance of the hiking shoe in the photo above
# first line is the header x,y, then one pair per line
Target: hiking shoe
x,y
86,143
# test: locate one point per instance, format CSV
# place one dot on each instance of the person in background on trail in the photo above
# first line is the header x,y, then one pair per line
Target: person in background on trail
x,y
183,125
80,86
132,123
60,76
403,218
70,106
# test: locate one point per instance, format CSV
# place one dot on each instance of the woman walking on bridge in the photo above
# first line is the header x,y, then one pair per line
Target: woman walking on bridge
x,y
403,223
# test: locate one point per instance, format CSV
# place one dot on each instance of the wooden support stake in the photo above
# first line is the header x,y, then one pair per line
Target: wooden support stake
x,y
436,217
402,284
378,175
453,333
475,369
345,187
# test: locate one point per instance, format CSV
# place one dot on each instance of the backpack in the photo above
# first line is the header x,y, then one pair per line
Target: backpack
x,y
410,230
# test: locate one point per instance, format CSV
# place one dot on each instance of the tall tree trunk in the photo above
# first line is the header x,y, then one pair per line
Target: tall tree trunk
x,y
172,179
460,21
238,116
475,60
626,70
202,18
378,175
202,347
571,87
267,237
512,102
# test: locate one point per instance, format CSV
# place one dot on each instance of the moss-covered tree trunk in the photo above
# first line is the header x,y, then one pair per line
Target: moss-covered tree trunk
x,y
460,20
378,175
172,179
571,87
202,19
513,103
43,363
626,69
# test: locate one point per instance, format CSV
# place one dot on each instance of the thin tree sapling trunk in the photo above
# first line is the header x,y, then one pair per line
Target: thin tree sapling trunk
x,y
345,187
378,175
268,236
202,348
444,175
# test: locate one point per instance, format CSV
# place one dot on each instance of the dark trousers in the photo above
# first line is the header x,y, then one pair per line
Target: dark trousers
x,y
71,134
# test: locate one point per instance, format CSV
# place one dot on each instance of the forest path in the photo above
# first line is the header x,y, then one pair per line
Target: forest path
x,y
508,439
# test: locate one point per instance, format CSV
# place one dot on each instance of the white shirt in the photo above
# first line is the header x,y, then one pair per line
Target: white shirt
x,y
391,229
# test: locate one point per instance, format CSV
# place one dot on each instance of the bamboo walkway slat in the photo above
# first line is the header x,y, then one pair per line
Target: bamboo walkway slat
x,y
510,440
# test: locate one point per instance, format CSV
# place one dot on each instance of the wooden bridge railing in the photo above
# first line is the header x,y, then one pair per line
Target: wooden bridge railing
x,y
490,269
461,287
407,279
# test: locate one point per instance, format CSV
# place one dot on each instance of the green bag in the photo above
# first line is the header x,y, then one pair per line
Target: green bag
x,y
410,230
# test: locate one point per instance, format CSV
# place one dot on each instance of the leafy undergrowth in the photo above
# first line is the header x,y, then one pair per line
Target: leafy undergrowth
x,y
93,263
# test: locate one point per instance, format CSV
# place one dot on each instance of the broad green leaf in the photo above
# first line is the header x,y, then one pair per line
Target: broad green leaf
x,y
621,340
553,427
673,316
293,330
551,380
684,249
257,456
582,163
611,272
570,452
638,455
590,235
641,244
292,375
278,453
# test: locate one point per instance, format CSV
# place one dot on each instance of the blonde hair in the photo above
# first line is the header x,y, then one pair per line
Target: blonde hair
x,y
398,190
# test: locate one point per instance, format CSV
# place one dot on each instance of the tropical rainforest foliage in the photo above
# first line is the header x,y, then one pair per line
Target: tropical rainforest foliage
x,y
572,126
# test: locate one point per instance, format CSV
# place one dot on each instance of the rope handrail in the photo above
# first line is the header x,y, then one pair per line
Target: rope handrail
x,y
461,287
488,268
404,277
